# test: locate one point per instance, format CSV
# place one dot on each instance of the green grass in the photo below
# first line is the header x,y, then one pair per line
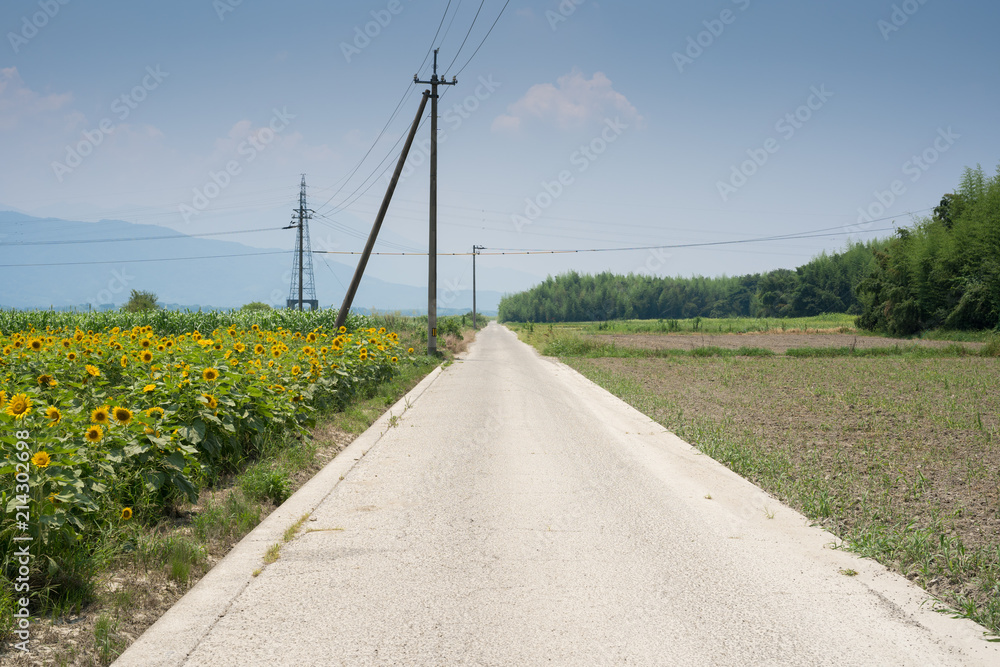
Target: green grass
x,y
905,351
264,481
107,640
706,325
832,323
235,516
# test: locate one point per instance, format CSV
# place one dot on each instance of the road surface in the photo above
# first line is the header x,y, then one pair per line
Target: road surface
x,y
516,514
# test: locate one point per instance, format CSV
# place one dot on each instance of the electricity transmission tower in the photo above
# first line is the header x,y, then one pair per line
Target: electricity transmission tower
x,y
303,289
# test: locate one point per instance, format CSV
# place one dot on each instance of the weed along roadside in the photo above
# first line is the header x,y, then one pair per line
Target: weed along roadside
x,y
150,449
891,445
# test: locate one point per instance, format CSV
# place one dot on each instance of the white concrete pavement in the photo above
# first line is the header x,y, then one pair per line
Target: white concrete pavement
x,y
517,514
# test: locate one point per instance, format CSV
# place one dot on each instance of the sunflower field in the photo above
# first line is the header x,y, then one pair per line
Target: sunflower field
x,y
99,427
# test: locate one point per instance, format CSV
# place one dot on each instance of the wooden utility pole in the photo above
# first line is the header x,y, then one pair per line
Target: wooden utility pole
x,y
345,307
475,251
432,242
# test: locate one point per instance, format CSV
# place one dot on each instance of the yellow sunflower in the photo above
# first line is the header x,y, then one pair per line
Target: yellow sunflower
x,y
101,415
126,513
41,459
35,344
19,406
92,371
45,381
296,370
156,413
124,361
148,388
52,412
210,374
147,356
94,434
342,330
210,401
3,399
410,351
122,415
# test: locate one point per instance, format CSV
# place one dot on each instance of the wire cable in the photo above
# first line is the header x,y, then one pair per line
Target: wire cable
x,y
484,39
436,33
474,18
138,261
521,251
139,238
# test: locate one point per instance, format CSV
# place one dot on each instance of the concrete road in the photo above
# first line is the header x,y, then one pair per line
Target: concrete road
x,y
516,514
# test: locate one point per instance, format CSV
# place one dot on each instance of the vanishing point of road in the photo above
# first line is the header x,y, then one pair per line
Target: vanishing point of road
x,y
510,512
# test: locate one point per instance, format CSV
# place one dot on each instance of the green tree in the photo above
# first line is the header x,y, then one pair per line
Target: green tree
x,y
141,301
942,271
256,305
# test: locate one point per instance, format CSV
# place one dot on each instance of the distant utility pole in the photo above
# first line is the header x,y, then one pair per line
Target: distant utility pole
x,y
432,243
475,251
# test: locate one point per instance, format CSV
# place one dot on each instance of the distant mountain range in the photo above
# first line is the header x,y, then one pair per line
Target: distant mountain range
x,y
52,263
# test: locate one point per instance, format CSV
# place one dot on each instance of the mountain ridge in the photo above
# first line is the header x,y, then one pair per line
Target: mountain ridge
x,y
56,263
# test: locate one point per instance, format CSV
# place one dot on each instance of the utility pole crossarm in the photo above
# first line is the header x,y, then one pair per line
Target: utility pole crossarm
x,y
434,82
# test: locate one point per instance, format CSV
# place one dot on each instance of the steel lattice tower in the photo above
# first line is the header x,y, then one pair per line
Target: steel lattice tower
x,y
303,288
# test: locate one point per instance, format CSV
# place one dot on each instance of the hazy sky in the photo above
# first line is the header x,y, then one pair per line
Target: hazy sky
x,y
577,125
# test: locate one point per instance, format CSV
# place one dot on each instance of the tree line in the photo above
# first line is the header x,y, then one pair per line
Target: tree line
x,y
942,271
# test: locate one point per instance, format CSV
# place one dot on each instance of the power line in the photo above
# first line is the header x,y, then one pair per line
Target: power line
x,y
138,238
674,246
436,33
450,23
395,112
474,19
347,179
484,39
142,261
348,200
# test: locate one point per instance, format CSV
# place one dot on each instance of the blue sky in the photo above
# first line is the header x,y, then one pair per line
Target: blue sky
x,y
577,125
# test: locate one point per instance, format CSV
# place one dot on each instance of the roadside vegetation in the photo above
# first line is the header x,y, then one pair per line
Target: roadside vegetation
x,y
891,445
121,528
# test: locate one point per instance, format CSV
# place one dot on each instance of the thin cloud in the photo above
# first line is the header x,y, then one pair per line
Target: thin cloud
x,y
573,102
17,101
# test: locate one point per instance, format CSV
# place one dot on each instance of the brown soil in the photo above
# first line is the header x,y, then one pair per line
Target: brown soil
x,y
776,342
